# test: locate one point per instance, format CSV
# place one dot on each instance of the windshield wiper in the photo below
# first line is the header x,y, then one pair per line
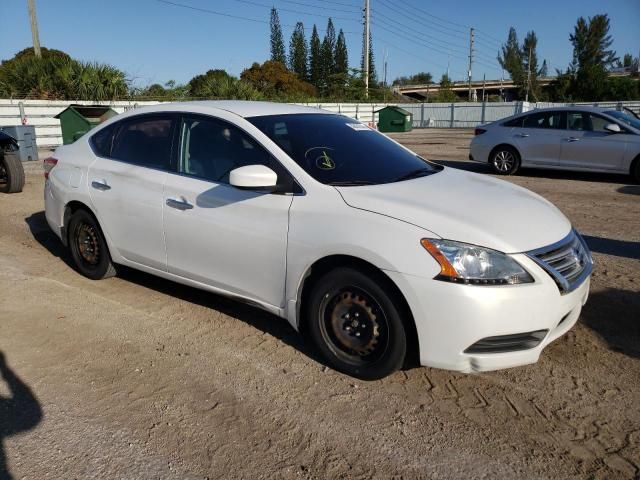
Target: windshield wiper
x,y
418,172
350,183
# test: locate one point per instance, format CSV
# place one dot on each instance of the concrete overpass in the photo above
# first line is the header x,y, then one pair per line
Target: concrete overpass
x,y
491,88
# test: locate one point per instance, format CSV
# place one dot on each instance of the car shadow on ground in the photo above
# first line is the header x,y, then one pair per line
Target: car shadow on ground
x,y
618,248
613,315
630,189
256,317
551,174
19,412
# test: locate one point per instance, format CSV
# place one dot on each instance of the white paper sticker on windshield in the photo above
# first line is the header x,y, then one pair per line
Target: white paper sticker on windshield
x,y
359,126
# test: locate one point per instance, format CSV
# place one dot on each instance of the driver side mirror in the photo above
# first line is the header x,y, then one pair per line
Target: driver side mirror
x,y
613,128
253,177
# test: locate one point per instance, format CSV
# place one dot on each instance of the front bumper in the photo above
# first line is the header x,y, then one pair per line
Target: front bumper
x,y
450,318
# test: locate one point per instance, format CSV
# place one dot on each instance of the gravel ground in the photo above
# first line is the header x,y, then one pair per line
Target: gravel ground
x,y
137,377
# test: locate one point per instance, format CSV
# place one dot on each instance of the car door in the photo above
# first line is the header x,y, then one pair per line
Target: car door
x,y
126,185
229,238
540,137
587,144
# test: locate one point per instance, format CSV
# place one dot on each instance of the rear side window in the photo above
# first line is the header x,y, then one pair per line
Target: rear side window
x,y
144,141
102,141
514,122
544,120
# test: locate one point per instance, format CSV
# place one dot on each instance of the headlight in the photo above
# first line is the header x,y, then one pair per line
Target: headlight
x,y
464,263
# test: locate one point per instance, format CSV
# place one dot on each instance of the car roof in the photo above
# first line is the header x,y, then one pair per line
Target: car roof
x,y
239,107
579,108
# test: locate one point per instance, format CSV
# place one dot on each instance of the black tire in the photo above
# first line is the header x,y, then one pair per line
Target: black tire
x,y
355,324
88,247
11,173
635,170
505,160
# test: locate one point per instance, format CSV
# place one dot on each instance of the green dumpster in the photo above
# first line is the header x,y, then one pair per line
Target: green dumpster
x,y
76,120
394,119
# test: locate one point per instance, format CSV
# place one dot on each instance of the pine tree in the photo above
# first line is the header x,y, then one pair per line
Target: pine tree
x,y
327,62
298,52
511,58
592,57
277,43
530,64
315,54
341,55
373,76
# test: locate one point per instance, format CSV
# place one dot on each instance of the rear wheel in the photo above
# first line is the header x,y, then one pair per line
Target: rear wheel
x,y
356,325
88,247
11,173
505,160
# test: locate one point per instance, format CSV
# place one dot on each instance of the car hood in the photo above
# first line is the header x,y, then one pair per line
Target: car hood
x,y
467,207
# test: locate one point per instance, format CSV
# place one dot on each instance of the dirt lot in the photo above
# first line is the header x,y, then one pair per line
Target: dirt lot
x,y
136,377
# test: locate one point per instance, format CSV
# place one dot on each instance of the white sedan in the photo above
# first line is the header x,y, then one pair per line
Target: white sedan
x,y
377,255
577,138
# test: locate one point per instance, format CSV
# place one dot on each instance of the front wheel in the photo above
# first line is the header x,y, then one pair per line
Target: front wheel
x,y
88,247
505,160
356,325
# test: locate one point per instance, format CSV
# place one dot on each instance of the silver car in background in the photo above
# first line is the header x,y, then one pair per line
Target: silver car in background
x,y
568,138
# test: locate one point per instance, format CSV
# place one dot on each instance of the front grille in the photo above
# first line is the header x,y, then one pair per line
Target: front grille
x,y
568,261
508,343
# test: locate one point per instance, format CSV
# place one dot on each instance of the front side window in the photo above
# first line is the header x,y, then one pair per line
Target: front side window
x,y
578,121
144,141
544,120
338,150
598,123
210,148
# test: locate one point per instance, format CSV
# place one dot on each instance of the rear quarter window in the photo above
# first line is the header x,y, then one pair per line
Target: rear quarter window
x,y
102,141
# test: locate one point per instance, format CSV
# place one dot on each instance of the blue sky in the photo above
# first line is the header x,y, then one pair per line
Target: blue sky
x,y
155,42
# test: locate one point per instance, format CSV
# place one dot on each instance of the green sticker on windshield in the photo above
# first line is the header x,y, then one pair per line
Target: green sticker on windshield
x,y
325,162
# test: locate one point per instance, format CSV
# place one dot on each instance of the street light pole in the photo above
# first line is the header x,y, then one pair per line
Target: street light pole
x,y
34,28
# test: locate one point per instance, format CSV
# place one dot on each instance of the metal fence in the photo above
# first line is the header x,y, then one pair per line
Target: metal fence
x,y
41,113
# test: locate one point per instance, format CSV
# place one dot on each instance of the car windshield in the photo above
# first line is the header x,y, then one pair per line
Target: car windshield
x,y
625,118
338,150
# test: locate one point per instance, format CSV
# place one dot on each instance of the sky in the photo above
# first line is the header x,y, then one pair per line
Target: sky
x,y
155,41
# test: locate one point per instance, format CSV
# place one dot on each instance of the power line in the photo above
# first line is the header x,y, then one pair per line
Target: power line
x,y
457,47
322,7
460,56
229,15
298,12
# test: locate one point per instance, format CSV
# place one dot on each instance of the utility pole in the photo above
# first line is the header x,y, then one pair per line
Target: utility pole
x,y
470,58
34,28
526,97
484,83
366,48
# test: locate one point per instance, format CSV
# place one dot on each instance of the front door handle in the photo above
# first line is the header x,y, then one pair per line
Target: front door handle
x,y
572,139
100,185
179,204
522,135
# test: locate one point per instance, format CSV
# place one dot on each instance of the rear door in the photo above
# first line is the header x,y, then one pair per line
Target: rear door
x,y
217,234
587,144
540,137
126,185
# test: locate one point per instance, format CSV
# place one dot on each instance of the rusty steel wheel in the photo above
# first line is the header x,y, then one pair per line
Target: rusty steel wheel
x,y
354,321
88,247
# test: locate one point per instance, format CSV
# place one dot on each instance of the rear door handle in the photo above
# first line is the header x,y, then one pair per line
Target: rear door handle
x,y
572,139
179,204
101,185
522,135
